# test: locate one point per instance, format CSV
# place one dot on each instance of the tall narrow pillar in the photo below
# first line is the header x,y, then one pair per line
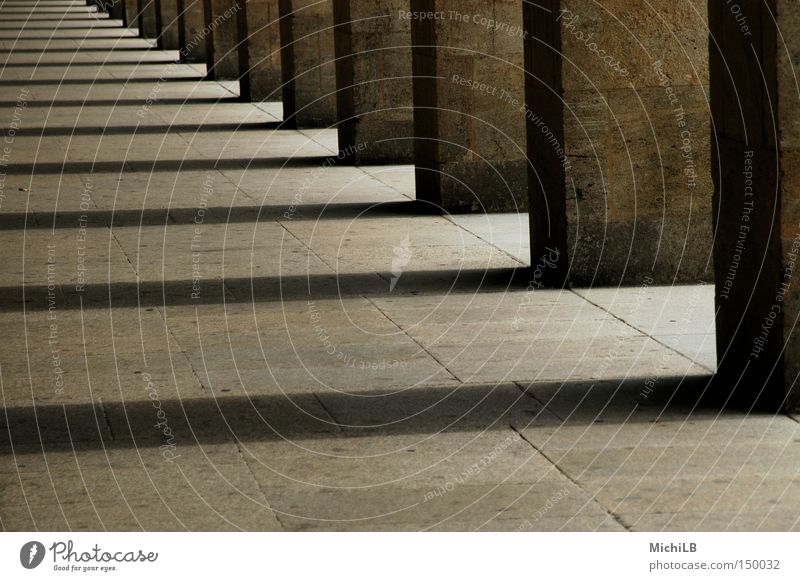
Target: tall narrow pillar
x,y
374,80
307,63
132,14
225,37
168,17
191,31
116,11
755,51
618,139
263,50
468,93
148,19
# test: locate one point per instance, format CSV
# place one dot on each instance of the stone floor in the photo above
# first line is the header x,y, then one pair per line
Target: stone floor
x,y
212,325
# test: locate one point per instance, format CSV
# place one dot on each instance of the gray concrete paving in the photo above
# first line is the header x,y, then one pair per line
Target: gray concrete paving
x,y
210,323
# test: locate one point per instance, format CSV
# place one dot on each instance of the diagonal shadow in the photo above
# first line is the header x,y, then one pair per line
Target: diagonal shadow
x,y
189,100
212,215
170,165
68,64
259,289
122,81
423,410
72,49
210,127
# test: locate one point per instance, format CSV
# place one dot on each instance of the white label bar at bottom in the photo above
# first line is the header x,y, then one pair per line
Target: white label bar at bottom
x,y
400,556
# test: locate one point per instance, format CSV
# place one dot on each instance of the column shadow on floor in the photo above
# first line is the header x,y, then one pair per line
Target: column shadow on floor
x,y
189,100
261,289
71,64
104,81
211,215
166,165
422,410
209,127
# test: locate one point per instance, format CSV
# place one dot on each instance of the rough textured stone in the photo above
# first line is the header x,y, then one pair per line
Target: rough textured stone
x,y
191,31
147,15
225,62
373,78
264,50
618,137
308,63
468,99
756,155
168,14
116,10
131,13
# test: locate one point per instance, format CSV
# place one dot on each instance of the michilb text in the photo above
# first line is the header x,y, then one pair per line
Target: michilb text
x,y
673,547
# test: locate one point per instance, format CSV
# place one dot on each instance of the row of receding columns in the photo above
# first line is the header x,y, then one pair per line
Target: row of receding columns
x,y
649,143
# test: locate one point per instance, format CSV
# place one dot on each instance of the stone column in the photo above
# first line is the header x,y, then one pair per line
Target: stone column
x,y
116,11
191,31
168,17
148,19
264,50
755,56
307,63
374,80
132,14
618,139
225,37
468,94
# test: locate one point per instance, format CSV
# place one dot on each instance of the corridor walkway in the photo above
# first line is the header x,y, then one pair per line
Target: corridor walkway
x,y
211,322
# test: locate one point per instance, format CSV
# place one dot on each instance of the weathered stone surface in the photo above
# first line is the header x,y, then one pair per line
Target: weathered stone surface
x,y
619,140
757,239
116,10
308,63
264,50
468,99
131,13
168,14
225,63
147,15
191,31
373,78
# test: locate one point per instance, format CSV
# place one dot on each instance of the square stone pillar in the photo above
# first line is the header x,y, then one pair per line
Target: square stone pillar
x,y
307,63
264,50
374,80
468,98
618,138
132,14
116,11
191,31
224,33
755,63
149,27
168,17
